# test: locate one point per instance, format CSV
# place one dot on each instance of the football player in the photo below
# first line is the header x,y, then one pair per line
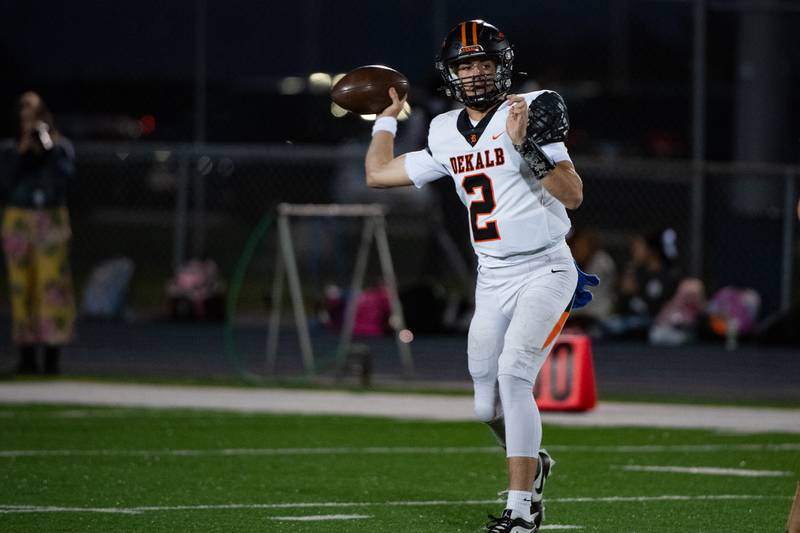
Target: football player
x,y
511,169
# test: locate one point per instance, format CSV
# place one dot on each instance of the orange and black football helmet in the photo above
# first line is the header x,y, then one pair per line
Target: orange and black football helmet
x,y
476,39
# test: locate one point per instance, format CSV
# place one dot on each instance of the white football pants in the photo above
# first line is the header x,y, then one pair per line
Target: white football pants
x,y
519,311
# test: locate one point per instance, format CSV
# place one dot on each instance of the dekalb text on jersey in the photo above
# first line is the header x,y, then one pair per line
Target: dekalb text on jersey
x,y
477,160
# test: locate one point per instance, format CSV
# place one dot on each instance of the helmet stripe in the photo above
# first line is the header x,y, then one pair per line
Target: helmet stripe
x,y
474,33
463,34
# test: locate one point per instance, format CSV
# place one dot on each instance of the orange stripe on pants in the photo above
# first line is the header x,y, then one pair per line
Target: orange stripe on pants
x,y
556,329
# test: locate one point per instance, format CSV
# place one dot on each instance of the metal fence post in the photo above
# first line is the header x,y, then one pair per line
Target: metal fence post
x,y
697,218
200,103
181,205
698,138
202,165
787,258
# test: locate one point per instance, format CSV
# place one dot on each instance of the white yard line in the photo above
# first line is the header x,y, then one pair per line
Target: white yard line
x,y
255,451
406,406
327,517
9,509
320,517
706,470
6,509
668,497
393,450
679,448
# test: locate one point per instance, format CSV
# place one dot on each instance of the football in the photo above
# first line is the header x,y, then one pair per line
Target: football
x,y
365,90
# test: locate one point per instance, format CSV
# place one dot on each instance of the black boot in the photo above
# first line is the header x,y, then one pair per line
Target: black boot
x,y
27,360
51,357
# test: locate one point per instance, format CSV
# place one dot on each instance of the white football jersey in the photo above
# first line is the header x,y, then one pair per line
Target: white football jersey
x,y
511,215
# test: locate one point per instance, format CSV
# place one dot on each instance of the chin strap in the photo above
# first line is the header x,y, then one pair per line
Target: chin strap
x,y
485,104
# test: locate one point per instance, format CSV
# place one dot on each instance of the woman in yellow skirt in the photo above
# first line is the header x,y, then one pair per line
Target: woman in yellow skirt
x,y
36,234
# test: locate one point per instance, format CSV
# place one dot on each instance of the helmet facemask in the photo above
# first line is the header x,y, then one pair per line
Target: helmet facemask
x,y
495,89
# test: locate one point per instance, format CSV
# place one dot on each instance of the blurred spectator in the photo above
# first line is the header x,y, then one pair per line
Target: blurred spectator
x,y
733,311
372,312
591,257
196,291
649,281
679,319
36,233
105,294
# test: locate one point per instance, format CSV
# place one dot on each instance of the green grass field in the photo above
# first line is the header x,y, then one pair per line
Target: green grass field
x,y
166,471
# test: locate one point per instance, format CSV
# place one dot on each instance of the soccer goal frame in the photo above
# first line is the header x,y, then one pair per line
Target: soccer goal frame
x,y
373,230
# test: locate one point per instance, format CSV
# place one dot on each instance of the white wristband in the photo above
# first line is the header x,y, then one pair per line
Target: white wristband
x,y
385,124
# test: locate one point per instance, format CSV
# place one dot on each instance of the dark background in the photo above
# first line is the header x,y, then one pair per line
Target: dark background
x,y
624,66
186,136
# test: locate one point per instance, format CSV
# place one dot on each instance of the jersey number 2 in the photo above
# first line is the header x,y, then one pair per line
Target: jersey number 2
x,y
484,206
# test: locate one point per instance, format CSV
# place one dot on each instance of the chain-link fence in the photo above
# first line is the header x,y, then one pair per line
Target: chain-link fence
x,y
162,205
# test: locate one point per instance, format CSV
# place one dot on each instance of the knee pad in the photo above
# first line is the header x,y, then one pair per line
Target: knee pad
x,y
485,411
487,401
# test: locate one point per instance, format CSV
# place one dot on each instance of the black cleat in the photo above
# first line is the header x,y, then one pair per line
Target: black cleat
x,y
506,524
543,469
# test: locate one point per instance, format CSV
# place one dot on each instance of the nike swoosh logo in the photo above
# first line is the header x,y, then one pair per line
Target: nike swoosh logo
x,y
554,271
495,137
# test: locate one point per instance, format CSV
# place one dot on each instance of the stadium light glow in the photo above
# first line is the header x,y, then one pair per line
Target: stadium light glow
x,y
336,78
402,116
405,112
319,81
337,111
292,85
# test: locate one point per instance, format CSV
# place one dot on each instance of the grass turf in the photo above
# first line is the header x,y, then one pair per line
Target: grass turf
x,y
139,468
